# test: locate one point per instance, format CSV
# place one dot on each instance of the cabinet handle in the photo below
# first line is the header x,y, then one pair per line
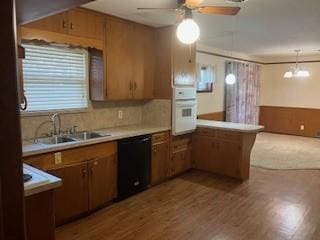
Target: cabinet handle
x,y
130,86
71,26
64,24
135,86
84,173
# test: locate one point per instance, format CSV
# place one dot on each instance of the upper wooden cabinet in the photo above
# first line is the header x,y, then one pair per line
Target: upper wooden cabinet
x,y
56,23
175,63
76,22
129,63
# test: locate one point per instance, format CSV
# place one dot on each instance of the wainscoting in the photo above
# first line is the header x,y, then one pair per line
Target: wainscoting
x,y
288,120
216,116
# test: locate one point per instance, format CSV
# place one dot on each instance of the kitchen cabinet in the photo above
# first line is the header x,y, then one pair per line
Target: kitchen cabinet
x,y
76,22
89,178
160,164
175,63
71,199
102,181
56,23
128,61
180,154
223,152
39,214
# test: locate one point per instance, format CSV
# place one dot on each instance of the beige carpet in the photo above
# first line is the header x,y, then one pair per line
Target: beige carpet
x,y
283,152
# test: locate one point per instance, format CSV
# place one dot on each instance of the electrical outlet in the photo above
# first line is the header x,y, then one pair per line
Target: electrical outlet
x,y
120,114
301,127
58,158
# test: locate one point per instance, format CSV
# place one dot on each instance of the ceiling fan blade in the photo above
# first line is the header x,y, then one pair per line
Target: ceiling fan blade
x,y
174,9
219,10
193,3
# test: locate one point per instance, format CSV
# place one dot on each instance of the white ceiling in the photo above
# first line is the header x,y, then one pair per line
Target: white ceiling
x,y
263,28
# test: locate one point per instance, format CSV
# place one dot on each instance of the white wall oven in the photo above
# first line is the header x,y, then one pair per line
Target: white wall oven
x,y
184,110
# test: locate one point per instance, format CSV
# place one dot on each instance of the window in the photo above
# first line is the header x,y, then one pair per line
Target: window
x,y
55,78
205,78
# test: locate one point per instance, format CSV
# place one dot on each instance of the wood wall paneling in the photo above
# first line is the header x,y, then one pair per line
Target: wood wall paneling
x,y
215,116
287,120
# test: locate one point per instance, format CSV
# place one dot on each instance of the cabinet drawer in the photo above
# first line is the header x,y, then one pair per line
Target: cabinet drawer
x,y
180,143
160,137
206,132
229,135
72,156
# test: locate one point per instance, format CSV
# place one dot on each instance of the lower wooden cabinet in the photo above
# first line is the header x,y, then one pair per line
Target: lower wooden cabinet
x,y
218,152
102,181
180,161
89,178
71,199
160,164
180,154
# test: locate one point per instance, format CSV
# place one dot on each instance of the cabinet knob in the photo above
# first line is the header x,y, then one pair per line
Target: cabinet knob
x,y
64,24
84,173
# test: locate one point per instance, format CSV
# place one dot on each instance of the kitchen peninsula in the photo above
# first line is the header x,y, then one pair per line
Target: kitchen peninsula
x,y
224,148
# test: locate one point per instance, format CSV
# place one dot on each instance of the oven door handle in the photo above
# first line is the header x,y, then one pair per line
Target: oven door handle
x,y
186,104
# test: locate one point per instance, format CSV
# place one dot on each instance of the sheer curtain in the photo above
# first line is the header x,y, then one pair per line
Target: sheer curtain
x,y
242,98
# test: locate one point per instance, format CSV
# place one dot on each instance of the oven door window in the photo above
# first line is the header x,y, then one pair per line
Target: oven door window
x,y
186,112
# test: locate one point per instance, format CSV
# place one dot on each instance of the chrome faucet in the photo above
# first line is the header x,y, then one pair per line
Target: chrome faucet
x,y
56,130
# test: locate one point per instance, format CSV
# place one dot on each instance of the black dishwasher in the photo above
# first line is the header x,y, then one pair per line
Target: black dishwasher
x,y
134,163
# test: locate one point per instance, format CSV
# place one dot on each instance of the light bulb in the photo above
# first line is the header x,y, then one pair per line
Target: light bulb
x,y
288,74
303,74
231,79
188,31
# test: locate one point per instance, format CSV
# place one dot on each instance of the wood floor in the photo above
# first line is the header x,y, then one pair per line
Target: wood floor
x,y
271,205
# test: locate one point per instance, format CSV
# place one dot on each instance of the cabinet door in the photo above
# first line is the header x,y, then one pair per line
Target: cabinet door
x,y
71,199
160,162
228,155
203,152
180,161
86,24
119,59
184,63
102,181
56,23
143,59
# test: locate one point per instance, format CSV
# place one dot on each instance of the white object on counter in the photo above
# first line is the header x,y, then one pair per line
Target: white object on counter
x,y
40,181
238,127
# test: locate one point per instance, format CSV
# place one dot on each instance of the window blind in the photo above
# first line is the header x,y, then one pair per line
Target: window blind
x,y
55,78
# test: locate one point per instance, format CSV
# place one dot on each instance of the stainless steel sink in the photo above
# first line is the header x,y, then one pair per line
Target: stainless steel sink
x,y
86,135
54,140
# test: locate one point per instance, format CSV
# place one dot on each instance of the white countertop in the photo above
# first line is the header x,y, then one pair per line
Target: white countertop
x,y
40,181
116,133
239,127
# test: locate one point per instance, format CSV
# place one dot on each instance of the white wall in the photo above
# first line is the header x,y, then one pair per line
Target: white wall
x,y
278,91
214,102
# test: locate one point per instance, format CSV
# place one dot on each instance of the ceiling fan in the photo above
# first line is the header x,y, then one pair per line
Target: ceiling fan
x,y
188,31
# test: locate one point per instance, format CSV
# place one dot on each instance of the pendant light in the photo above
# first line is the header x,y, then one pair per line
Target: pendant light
x,y
231,77
188,31
297,71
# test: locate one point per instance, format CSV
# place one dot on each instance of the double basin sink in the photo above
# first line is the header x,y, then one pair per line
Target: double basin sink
x,y
80,136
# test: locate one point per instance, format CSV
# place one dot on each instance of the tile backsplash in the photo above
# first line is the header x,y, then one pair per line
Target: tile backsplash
x,y
104,115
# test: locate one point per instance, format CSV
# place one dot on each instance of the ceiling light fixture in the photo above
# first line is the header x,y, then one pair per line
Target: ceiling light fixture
x,y
297,71
188,31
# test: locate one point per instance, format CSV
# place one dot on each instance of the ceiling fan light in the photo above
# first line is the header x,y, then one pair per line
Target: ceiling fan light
x,y
188,31
231,79
288,74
